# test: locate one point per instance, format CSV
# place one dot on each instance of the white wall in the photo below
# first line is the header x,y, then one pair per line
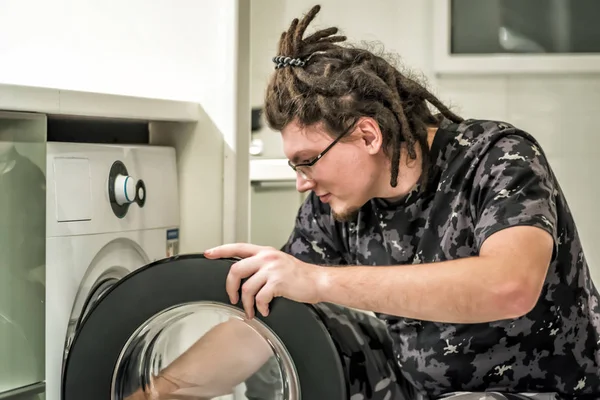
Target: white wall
x,y
183,50
560,110
148,49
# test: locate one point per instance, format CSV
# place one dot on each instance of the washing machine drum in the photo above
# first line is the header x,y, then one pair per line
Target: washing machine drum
x,y
168,331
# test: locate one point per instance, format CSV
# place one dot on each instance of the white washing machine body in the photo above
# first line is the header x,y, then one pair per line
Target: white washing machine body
x,y
110,210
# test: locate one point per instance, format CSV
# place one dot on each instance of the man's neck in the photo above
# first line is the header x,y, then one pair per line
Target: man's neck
x,y
409,172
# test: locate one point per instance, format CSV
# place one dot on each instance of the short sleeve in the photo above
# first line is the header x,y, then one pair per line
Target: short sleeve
x,y
312,239
513,186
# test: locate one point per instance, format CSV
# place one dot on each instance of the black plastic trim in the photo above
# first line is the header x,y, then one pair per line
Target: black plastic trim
x,y
118,168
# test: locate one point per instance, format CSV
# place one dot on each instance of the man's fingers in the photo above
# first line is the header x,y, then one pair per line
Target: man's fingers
x,y
241,250
249,290
239,271
249,267
264,298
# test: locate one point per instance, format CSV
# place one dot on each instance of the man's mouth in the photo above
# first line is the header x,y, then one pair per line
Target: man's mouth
x,y
324,197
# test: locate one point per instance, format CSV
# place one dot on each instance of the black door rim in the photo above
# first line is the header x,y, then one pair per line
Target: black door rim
x,y
88,370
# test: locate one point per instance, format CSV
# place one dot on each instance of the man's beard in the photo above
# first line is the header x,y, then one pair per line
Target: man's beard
x,y
346,215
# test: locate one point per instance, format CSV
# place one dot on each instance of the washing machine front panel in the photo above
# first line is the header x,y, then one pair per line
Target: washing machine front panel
x,y
111,209
148,331
93,188
80,269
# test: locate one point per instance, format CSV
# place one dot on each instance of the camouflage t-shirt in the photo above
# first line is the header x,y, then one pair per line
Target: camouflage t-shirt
x,y
487,176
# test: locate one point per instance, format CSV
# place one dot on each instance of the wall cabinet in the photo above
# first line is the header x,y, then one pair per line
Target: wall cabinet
x,y
516,36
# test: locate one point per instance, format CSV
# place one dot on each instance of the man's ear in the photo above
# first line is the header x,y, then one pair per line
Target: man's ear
x,y
370,134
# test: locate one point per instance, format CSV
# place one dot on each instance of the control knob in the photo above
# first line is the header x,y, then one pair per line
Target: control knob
x,y
125,188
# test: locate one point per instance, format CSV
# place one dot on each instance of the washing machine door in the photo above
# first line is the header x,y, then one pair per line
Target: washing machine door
x,y
168,331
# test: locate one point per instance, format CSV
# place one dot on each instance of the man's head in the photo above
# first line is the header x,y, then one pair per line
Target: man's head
x,y
322,92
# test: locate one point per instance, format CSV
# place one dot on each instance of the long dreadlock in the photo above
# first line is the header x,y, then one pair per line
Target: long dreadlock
x,y
326,82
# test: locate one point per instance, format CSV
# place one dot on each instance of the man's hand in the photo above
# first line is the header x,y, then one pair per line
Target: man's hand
x,y
271,273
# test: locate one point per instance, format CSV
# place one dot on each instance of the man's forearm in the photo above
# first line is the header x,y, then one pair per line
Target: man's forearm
x,y
468,290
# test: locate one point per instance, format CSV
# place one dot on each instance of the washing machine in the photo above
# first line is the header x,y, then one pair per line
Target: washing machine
x,y
101,226
130,318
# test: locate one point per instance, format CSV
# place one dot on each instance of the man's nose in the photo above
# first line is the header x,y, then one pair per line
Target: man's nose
x,y
303,185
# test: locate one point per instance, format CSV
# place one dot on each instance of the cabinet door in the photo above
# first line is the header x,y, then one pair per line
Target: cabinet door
x,y
22,250
516,36
531,26
274,206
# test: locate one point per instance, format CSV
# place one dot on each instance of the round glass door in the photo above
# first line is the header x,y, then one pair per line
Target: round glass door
x,y
168,331
204,350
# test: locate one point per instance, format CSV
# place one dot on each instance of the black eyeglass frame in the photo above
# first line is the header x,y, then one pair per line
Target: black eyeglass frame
x,y
320,155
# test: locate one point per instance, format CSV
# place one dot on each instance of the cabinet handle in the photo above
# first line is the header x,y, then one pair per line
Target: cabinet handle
x,y
274,184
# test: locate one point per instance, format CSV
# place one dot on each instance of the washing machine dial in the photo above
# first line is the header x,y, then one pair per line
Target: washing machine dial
x,y
125,188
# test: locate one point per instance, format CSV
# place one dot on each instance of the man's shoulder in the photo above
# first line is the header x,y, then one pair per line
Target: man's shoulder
x,y
481,133
470,141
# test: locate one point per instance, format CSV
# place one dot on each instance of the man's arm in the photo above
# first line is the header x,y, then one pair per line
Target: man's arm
x,y
503,282
512,202
514,212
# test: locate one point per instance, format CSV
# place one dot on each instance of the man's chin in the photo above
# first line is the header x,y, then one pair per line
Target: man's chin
x,y
345,215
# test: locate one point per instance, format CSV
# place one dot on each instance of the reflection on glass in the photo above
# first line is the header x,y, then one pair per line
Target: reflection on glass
x,y
180,354
525,26
22,250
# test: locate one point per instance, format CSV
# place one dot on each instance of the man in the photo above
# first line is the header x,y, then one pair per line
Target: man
x,y
455,233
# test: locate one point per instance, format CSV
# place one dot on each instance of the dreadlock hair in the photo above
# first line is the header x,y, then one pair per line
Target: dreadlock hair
x,y
318,80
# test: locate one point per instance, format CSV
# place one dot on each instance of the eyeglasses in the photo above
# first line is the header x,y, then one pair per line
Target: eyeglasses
x,y
304,169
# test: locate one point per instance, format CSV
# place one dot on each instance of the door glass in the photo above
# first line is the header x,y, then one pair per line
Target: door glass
x,y
22,251
172,356
524,26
